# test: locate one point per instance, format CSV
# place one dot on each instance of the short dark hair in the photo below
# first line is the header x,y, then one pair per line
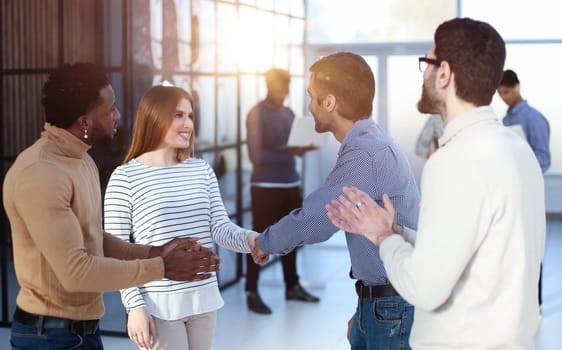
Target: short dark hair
x,y
71,91
349,78
509,78
476,54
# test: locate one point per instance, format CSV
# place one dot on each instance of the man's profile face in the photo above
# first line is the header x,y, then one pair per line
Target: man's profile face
x,y
509,94
429,101
321,117
102,119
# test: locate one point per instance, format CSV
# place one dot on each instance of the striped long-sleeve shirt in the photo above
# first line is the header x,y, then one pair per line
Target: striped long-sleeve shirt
x,y
152,205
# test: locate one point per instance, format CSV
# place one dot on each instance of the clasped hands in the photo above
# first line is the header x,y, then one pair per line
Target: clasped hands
x,y
258,255
185,259
355,212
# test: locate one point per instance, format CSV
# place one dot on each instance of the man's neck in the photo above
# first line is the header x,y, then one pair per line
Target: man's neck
x,y
454,107
517,101
342,128
272,102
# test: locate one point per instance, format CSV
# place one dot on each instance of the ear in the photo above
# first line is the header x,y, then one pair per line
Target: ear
x,y
329,102
444,75
84,122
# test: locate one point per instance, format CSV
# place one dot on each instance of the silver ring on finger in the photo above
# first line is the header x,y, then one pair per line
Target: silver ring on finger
x,y
358,204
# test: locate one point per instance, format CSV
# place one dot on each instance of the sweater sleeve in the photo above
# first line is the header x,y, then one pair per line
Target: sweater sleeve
x,y
446,234
114,247
43,199
409,235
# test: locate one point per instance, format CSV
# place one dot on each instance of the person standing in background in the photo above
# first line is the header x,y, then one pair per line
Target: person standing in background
x,y
63,258
428,139
161,192
534,125
275,182
519,112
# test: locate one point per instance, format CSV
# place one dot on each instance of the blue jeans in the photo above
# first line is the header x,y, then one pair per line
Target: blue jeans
x,y
382,323
27,337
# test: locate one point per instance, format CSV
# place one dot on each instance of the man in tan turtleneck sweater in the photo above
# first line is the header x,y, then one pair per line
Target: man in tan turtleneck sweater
x,y
63,258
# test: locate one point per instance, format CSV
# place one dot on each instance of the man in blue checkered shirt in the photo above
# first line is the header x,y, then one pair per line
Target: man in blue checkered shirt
x,y
341,90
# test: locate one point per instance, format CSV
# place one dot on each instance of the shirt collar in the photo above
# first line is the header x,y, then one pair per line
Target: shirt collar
x,y
68,144
517,108
358,127
466,120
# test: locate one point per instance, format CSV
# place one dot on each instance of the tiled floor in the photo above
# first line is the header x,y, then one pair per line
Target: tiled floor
x,y
323,269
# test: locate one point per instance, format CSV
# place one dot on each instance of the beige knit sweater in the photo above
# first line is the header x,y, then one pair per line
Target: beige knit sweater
x,y
63,258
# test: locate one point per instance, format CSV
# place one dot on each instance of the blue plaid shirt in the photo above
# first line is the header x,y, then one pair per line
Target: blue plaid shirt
x,y
536,128
369,160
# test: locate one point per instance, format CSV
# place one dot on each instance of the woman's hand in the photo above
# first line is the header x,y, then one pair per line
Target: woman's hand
x,y
140,327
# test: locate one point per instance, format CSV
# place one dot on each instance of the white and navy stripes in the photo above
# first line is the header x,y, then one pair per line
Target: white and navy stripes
x,y
152,205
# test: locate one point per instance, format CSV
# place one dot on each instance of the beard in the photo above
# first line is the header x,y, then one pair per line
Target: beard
x,y
101,136
429,102
104,140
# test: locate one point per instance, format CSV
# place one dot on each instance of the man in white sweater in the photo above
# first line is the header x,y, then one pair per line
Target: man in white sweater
x,y
472,269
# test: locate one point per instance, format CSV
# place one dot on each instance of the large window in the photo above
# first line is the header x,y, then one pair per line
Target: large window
x,y
218,51
396,32
404,90
37,36
534,48
537,66
517,19
215,49
360,21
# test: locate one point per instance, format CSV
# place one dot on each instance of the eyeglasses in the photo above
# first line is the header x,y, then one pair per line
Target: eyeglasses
x,y
424,61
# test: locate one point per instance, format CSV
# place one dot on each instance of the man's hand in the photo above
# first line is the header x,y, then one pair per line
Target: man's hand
x,y
186,260
258,255
356,212
187,243
251,237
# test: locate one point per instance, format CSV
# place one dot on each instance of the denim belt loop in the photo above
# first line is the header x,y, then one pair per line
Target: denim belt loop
x,y
40,322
